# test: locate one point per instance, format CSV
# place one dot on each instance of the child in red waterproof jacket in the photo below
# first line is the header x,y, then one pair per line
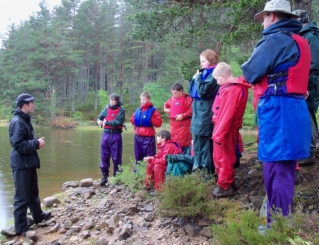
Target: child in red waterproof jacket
x,y
179,108
228,108
157,164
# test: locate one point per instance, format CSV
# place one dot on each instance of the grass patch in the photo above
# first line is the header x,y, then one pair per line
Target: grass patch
x,y
133,180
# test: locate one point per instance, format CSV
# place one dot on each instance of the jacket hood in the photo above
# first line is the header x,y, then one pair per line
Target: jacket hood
x,y
290,25
242,81
20,113
311,26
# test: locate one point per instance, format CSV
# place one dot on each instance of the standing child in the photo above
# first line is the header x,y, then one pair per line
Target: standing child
x,y
228,109
112,118
144,120
203,88
179,108
157,165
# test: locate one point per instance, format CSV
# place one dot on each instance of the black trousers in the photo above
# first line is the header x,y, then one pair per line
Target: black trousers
x,y
26,196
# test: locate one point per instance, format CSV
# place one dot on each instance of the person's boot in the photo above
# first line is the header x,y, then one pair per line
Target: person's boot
x,y
220,192
308,161
104,180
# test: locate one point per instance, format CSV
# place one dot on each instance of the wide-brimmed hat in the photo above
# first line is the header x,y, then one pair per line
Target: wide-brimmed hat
x,y
282,6
24,99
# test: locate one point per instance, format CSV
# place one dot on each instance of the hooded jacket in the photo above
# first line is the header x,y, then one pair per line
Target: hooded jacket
x,y
311,33
24,154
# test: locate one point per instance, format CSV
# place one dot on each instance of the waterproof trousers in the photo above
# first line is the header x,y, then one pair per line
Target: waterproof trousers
x,y
144,146
279,178
26,196
225,159
155,173
203,153
111,147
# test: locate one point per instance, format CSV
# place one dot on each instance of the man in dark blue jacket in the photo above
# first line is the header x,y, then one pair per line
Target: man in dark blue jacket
x,y
24,161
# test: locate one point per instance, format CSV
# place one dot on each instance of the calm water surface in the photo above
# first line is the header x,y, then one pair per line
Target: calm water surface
x,y
67,155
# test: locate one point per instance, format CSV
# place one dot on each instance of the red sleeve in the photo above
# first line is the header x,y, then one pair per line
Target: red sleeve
x,y
132,119
160,158
156,119
168,103
229,104
188,104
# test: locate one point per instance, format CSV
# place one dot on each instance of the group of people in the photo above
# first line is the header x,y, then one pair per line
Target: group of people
x,y
283,70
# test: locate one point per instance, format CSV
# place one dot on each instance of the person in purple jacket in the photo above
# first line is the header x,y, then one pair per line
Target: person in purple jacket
x,y
279,69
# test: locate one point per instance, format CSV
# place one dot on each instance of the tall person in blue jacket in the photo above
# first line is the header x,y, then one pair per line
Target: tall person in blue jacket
x,y
203,88
24,161
279,69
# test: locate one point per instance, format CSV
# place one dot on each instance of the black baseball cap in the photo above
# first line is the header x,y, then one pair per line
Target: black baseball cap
x,y
24,99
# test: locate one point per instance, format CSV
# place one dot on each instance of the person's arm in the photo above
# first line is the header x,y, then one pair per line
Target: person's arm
x,y
229,104
119,120
167,106
161,158
17,133
207,88
101,116
156,119
188,104
132,119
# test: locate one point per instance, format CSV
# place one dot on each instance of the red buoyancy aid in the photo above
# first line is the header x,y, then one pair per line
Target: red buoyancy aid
x,y
112,115
297,81
177,107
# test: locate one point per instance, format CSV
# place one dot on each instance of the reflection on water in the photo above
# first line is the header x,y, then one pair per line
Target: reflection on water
x,y
67,155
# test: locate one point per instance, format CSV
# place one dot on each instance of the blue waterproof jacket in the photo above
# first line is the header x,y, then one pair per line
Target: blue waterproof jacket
x,y
284,124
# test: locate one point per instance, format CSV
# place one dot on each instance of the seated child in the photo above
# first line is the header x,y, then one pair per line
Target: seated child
x,y
180,164
156,165
229,107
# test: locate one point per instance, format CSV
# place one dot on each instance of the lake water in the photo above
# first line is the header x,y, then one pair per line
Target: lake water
x,y
67,155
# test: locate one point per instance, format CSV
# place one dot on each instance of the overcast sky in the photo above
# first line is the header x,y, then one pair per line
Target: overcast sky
x,y
14,11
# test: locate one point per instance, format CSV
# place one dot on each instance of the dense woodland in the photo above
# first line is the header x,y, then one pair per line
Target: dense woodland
x,y
67,57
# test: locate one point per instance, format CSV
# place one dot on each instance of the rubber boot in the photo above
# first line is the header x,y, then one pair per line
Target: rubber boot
x,y
104,180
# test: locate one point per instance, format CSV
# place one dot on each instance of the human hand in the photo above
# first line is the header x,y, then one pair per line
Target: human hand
x,y
179,117
166,110
307,94
41,142
99,122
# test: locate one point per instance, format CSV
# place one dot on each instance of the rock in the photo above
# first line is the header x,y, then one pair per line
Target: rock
x,y
149,217
67,224
54,228
149,208
204,222
101,241
88,225
49,201
86,182
32,235
9,231
126,232
85,234
113,221
10,242
206,232
192,229
70,184
252,171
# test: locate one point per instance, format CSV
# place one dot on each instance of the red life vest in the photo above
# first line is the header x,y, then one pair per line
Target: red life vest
x,y
112,115
177,107
297,80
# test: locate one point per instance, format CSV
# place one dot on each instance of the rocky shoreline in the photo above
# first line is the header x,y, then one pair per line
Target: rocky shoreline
x,y
89,214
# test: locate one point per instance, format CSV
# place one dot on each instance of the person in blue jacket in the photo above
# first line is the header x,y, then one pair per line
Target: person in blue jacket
x,y
279,69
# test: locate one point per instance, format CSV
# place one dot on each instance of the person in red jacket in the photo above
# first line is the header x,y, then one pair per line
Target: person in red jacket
x,y
228,108
144,120
157,164
179,108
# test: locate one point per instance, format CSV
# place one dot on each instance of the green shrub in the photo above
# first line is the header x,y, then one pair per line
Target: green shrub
x,y
133,180
187,197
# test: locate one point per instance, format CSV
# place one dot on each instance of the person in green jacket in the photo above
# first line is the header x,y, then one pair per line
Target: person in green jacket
x,y
203,88
310,32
